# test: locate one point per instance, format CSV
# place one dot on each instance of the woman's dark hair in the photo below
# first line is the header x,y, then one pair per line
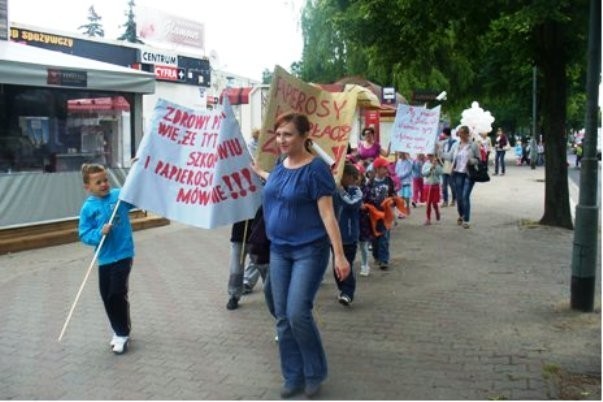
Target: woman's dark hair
x,y
301,123
368,129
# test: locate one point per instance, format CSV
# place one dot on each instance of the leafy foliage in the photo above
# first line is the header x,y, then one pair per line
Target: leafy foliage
x,y
130,34
94,27
483,51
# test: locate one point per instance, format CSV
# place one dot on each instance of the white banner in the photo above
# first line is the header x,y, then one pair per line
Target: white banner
x,y
193,167
415,129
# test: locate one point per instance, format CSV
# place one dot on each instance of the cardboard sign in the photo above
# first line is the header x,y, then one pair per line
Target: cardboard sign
x,y
330,116
415,129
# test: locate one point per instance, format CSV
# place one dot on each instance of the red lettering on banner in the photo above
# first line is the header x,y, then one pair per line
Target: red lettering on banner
x,y
270,145
335,133
339,108
188,177
189,138
230,148
300,102
201,197
186,119
170,132
339,153
235,184
205,160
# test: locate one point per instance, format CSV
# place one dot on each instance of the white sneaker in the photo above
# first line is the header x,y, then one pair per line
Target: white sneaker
x,y
120,345
113,339
365,270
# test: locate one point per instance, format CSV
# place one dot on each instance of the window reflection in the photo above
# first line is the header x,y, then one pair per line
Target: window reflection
x,y
55,130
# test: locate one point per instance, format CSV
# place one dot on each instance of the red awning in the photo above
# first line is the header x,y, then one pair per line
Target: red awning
x,y
97,104
237,95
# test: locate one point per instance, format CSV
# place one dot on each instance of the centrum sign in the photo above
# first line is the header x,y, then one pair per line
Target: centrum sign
x,y
148,56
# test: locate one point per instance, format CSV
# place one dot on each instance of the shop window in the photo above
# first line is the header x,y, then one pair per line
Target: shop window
x,y
54,130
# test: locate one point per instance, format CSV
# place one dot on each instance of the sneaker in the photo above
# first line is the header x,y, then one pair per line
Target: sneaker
x,y
452,203
459,221
121,344
113,340
288,392
233,303
427,222
414,204
344,299
466,225
311,390
247,289
275,338
444,204
365,270
383,266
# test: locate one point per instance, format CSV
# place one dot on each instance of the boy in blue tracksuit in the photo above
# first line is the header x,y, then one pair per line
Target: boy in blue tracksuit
x,y
347,203
115,256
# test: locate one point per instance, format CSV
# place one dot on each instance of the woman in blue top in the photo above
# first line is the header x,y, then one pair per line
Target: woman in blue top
x,y
300,221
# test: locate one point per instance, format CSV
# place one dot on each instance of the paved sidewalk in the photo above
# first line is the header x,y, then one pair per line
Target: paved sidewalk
x,y
478,313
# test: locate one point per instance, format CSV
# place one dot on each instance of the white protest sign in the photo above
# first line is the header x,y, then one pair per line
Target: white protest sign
x,y
193,167
415,129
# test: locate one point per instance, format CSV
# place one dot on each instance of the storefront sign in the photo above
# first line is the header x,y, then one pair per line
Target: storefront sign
x,y
67,78
161,28
155,57
389,95
168,73
25,35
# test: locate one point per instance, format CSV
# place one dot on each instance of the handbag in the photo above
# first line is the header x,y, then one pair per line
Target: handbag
x,y
479,172
447,168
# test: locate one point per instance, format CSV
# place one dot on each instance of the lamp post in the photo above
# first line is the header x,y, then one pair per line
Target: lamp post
x,y
586,235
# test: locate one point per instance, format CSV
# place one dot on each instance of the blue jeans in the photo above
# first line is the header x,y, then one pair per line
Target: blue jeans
x,y
348,285
499,161
295,276
464,185
447,181
381,245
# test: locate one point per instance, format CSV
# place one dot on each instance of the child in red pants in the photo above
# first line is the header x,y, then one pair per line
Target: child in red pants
x,y
431,172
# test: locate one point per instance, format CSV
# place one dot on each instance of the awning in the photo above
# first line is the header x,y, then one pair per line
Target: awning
x,y
31,66
237,95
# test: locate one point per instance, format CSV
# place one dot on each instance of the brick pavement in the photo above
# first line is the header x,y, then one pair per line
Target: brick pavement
x,y
461,314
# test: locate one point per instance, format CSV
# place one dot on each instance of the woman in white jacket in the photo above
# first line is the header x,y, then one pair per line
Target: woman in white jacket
x,y
465,154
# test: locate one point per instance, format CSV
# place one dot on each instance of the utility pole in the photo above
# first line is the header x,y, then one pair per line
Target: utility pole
x,y
586,242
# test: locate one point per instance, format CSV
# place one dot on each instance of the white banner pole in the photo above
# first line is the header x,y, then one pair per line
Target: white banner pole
x,y
77,297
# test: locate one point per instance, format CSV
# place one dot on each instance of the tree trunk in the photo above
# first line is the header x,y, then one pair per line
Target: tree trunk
x,y
551,62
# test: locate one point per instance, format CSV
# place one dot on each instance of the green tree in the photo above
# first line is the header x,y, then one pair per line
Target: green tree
x,y
266,77
130,34
94,27
476,51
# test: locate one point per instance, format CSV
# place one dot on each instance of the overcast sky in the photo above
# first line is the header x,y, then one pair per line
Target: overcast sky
x,y
247,35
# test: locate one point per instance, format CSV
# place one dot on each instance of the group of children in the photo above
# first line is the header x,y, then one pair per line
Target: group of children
x,y
365,205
